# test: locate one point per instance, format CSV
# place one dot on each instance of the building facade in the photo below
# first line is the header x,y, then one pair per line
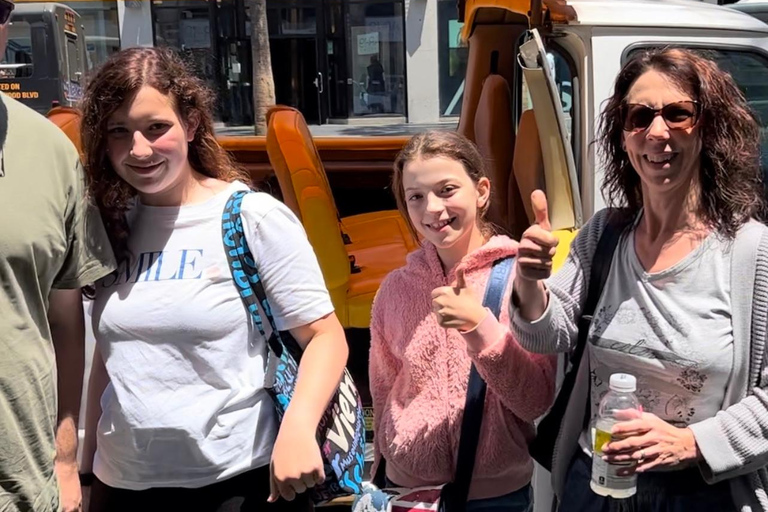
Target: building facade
x,y
338,61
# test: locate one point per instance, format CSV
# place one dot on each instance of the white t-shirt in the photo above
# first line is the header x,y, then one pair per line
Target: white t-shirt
x,y
186,405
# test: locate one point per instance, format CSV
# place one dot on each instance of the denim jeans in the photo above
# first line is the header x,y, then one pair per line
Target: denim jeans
x,y
517,501
669,491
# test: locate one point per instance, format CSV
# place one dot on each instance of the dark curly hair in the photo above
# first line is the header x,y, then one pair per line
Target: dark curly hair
x,y
118,80
730,178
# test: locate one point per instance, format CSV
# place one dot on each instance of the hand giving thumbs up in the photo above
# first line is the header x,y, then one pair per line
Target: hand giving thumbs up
x,y
457,306
538,245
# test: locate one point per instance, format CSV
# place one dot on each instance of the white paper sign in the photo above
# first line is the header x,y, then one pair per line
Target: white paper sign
x,y
368,44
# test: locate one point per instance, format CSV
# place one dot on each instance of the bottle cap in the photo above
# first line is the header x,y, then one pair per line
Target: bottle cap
x,y
623,382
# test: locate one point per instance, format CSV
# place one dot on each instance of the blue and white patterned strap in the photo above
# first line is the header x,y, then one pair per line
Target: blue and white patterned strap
x,y
244,271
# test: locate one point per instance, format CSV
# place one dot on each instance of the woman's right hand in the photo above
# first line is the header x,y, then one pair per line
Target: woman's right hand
x,y
538,245
535,252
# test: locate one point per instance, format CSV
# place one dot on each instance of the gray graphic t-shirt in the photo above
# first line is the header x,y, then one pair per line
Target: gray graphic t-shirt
x,y
671,329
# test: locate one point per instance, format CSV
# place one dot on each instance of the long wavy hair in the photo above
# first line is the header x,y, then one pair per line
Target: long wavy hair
x,y
118,81
730,179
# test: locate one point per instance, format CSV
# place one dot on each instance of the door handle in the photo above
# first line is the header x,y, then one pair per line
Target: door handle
x,y
319,82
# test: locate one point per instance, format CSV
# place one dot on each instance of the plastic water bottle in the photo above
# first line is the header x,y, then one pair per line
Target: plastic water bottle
x,y
605,478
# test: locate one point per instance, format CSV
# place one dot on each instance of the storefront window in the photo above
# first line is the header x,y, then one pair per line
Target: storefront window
x,y
330,58
186,25
377,55
292,21
102,33
453,55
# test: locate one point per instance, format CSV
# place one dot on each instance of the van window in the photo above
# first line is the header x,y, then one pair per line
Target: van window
x,y
750,72
18,52
563,76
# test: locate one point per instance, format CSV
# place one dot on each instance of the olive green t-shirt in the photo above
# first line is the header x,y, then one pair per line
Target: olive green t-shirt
x,y
49,238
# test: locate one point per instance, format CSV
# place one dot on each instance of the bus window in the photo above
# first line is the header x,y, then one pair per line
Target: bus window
x,y
18,52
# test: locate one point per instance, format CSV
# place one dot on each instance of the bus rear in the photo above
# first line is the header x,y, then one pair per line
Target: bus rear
x,y
45,61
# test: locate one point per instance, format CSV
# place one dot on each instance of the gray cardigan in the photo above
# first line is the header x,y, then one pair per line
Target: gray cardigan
x,y
734,443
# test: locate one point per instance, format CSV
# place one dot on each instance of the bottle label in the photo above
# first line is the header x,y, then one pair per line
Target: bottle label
x,y
606,474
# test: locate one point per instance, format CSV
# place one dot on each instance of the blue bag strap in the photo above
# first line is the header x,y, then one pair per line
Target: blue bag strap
x,y
244,272
454,498
497,284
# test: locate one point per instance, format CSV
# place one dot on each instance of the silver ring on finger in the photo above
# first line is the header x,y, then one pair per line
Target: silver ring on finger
x,y
642,454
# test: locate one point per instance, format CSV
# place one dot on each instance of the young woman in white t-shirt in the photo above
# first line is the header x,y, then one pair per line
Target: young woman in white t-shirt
x,y
184,422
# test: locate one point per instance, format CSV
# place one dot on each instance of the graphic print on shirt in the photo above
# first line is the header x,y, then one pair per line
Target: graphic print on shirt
x,y
643,346
170,265
692,380
651,345
650,398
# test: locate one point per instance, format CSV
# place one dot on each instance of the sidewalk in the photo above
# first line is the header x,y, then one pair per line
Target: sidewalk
x,y
345,130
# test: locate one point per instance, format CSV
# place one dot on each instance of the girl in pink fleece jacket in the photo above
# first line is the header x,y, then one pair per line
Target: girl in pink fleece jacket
x,y
428,325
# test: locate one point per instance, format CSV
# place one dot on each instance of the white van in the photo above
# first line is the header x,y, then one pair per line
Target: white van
x,y
756,8
560,59
588,41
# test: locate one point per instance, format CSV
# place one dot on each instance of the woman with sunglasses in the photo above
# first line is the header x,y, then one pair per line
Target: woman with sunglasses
x,y
688,280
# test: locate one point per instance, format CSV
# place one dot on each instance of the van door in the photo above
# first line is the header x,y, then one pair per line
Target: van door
x,y
560,178
560,181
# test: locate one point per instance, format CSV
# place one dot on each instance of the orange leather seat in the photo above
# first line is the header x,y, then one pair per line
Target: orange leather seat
x,y
495,139
528,164
378,241
68,119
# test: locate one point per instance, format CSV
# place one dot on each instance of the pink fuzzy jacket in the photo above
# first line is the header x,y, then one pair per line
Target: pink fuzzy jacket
x,y
419,373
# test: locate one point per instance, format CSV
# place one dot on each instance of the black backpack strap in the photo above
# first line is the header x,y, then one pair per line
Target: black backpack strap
x,y
454,496
548,429
598,275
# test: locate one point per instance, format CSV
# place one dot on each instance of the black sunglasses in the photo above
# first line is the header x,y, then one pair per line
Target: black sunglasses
x,y
6,8
680,115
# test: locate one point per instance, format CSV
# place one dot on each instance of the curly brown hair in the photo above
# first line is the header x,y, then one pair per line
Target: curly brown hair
x,y
731,187
118,80
448,144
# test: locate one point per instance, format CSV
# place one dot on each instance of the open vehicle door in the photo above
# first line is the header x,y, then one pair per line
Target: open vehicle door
x,y
560,178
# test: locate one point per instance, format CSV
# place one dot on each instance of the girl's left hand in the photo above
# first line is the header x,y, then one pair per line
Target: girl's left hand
x,y
652,442
457,306
296,462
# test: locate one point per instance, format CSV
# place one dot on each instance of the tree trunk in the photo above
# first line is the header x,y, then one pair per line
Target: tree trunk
x,y
263,81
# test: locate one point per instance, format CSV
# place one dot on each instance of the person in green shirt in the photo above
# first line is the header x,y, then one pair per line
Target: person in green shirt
x,y
51,245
